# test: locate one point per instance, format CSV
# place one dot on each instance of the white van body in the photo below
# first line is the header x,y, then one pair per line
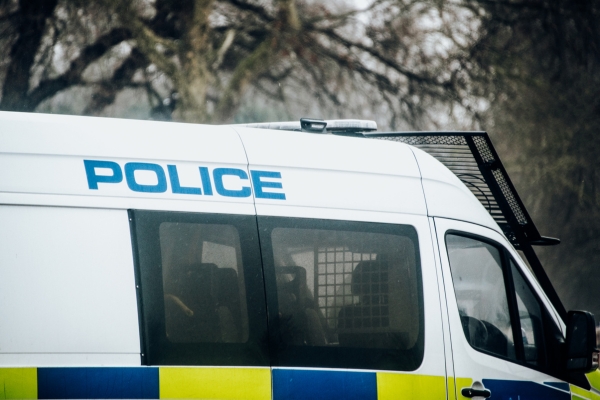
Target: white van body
x,y
74,189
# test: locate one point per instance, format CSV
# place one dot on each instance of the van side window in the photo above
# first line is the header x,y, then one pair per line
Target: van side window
x,y
345,293
478,279
193,270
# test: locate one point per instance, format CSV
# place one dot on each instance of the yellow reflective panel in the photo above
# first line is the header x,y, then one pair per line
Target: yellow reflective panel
x,y
594,379
215,383
424,387
18,383
579,393
451,392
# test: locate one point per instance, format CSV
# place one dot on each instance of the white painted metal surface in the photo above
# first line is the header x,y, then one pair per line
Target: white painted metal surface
x,y
42,159
66,287
333,172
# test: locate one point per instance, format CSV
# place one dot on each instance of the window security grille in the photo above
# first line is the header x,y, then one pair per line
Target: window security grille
x,y
473,159
333,281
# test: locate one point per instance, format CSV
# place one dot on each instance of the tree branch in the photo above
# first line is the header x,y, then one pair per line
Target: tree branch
x,y
72,76
377,55
107,91
250,67
258,10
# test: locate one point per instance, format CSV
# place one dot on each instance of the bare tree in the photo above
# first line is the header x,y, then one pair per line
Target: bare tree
x,y
210,53
537,63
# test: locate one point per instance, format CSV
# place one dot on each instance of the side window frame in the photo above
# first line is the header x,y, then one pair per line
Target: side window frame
x,y
540,339
155,347
283,355
506,258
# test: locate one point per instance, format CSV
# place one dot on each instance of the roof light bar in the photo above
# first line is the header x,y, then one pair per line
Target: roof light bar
x,y
336,126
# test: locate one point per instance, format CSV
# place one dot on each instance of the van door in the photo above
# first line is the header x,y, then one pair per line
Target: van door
x,y
505,335
353,307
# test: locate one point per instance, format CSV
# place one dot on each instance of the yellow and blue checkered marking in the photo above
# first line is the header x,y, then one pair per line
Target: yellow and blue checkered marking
x,y
296,384
135,383
212,383
252,384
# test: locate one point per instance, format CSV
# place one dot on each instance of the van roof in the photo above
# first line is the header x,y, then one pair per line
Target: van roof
x,y
388,169
151,140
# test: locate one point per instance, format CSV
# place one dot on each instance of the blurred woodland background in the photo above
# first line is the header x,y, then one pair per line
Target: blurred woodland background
x,y
526,71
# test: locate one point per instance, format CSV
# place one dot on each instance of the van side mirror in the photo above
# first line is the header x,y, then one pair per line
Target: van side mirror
x,y
582,354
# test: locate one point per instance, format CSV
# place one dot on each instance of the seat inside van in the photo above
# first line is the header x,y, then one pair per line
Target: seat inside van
x,y
202,304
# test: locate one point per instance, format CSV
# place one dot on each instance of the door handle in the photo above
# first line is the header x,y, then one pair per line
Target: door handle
x,y
471,392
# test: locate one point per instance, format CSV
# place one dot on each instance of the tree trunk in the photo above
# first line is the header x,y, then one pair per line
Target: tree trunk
x,y
32,17
195,55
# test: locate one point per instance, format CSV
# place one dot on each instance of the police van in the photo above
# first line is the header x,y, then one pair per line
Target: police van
x,y
301,260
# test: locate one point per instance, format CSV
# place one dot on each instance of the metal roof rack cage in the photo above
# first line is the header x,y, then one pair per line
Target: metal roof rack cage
x,y
472,157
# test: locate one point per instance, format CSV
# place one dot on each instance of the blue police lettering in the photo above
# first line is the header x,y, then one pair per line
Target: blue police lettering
x,y
161,185
176,186
93,179
259,181
205,177
219,173
259,185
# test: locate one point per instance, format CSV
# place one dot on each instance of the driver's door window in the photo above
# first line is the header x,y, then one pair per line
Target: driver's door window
x,y
478,279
